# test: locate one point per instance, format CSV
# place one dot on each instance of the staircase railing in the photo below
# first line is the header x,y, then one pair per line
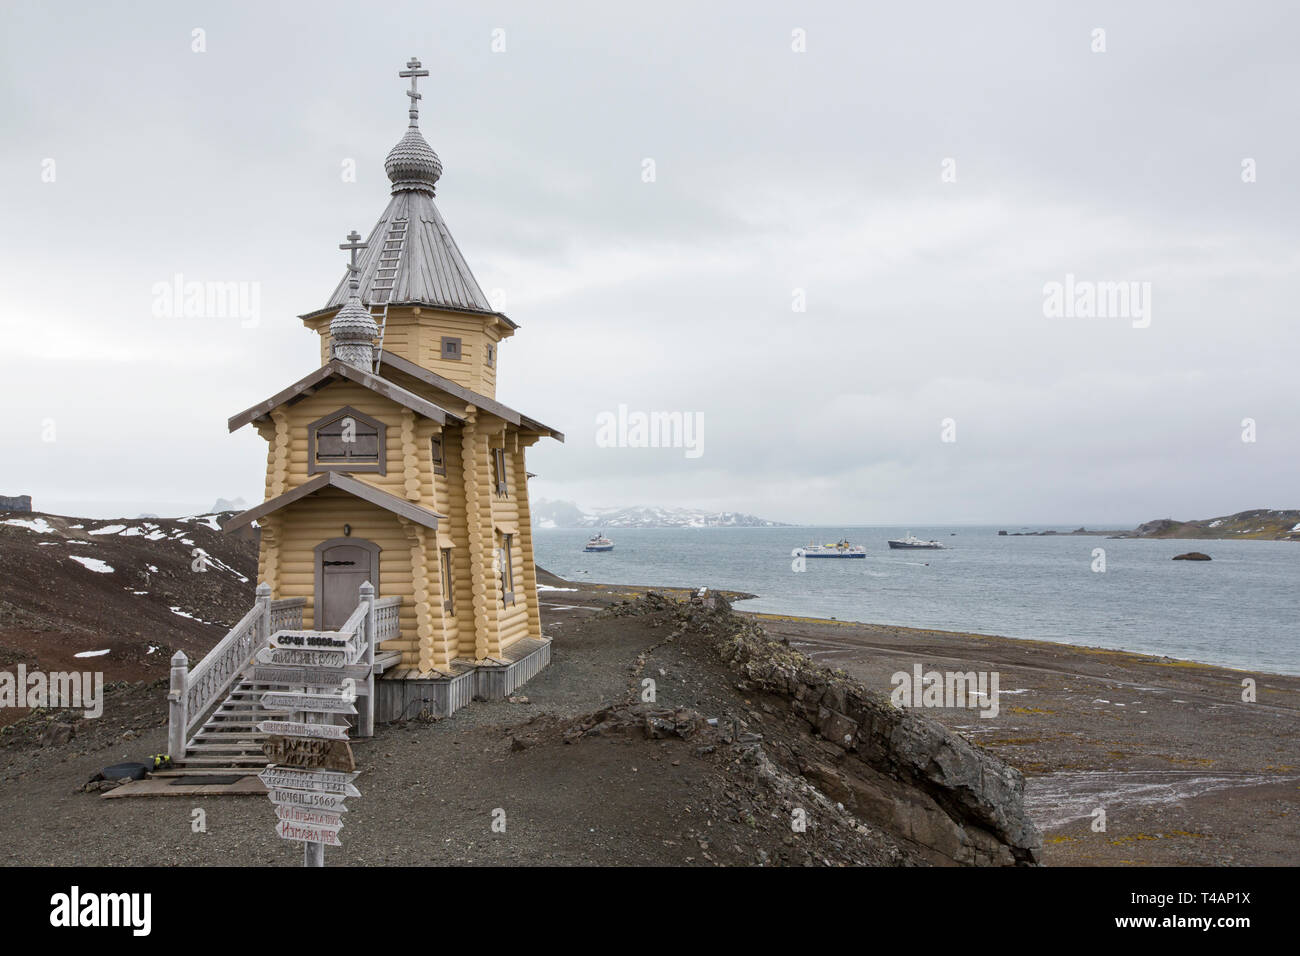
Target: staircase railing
x,y
195,691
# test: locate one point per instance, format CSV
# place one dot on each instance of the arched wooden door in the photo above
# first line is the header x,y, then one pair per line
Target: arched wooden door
x,y
342,566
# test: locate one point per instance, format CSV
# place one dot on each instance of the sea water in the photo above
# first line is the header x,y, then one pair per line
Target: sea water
x,y
1242,609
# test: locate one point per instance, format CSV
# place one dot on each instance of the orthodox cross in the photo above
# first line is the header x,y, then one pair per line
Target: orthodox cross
x,y
353,245
414,72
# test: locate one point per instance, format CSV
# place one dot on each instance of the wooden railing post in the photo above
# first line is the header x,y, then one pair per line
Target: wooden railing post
x,y
177,703
264,602
366,719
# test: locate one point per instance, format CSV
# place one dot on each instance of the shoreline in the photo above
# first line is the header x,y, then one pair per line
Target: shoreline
x,y
1186,772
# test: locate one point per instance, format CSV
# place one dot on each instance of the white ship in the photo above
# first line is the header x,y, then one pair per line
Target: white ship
x,y
840,549
598,542
912,542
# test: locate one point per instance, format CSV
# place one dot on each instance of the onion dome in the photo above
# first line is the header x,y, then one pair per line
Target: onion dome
x,y
353,328
412,163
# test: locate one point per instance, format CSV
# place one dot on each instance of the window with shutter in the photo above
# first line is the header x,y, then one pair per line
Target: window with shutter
x,y
499,472
346,440
507,571
439,466
448,589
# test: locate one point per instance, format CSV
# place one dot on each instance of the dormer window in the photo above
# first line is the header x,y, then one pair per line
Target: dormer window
x,y
346,440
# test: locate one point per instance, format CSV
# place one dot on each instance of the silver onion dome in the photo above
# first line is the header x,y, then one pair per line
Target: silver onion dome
x,y
412,163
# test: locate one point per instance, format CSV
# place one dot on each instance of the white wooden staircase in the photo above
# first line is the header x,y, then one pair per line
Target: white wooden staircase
x,y
215,706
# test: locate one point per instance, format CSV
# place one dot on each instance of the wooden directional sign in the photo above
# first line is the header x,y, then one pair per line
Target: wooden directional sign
x,y
294,658
311,640
289,830
311,818
309,754
308,800
280,702
309,676
318,781
296,728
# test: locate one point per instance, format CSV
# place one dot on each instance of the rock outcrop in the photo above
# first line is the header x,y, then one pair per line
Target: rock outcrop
x,y
891,767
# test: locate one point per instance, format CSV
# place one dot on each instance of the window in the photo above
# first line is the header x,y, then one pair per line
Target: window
x,y
451,348
507,572
499,472
447,588
491,356
346,440
439,466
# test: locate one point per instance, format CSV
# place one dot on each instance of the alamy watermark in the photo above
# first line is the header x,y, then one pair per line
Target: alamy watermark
x,y
181,299
952,689
1086,299
629,429
79,691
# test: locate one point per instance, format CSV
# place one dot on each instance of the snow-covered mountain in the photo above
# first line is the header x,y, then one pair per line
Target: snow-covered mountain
x,y
566,514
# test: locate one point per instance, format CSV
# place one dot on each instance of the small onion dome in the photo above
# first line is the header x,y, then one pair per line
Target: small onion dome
x,y
412,163
353,324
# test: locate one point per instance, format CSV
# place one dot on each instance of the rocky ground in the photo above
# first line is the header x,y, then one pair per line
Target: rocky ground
x,y
1185,770
715,771
117,596
586,772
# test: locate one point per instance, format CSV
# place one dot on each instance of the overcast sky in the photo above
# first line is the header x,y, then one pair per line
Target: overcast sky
x,y
775,170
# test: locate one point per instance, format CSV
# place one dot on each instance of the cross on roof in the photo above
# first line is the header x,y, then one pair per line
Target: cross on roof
x,y
414,72
353,245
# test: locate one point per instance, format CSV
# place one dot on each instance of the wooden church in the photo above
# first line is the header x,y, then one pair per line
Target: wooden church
x,y
393,462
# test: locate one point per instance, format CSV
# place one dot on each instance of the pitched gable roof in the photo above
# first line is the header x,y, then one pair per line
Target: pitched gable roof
x,y
334,371
470,397
333,479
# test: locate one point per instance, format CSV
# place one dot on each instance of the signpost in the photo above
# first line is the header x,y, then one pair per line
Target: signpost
x,y
296,728
317,703
307,752
311,766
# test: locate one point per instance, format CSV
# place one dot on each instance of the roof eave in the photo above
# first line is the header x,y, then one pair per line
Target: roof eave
x,y
346,483
330,372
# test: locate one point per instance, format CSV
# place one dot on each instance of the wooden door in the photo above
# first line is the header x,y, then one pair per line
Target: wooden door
x,y
343,569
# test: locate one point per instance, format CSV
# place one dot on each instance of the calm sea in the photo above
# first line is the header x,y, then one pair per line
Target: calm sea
x,y
1242,609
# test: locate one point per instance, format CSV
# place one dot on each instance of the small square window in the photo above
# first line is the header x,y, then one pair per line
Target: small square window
x,y
451,348
491,356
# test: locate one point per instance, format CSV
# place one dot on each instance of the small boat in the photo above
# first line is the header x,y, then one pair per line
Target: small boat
x,y
840,549
598,542
913,543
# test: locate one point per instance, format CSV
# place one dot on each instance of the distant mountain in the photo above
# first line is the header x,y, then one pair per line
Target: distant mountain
x,y
1263,524
566,514
224,504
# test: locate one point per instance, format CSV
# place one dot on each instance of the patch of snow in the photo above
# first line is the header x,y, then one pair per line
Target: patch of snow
x,y
547,587
109,529
43,544
1216,522
208,520
92,653
152,569
152,648
39,525
1295,529
93,564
